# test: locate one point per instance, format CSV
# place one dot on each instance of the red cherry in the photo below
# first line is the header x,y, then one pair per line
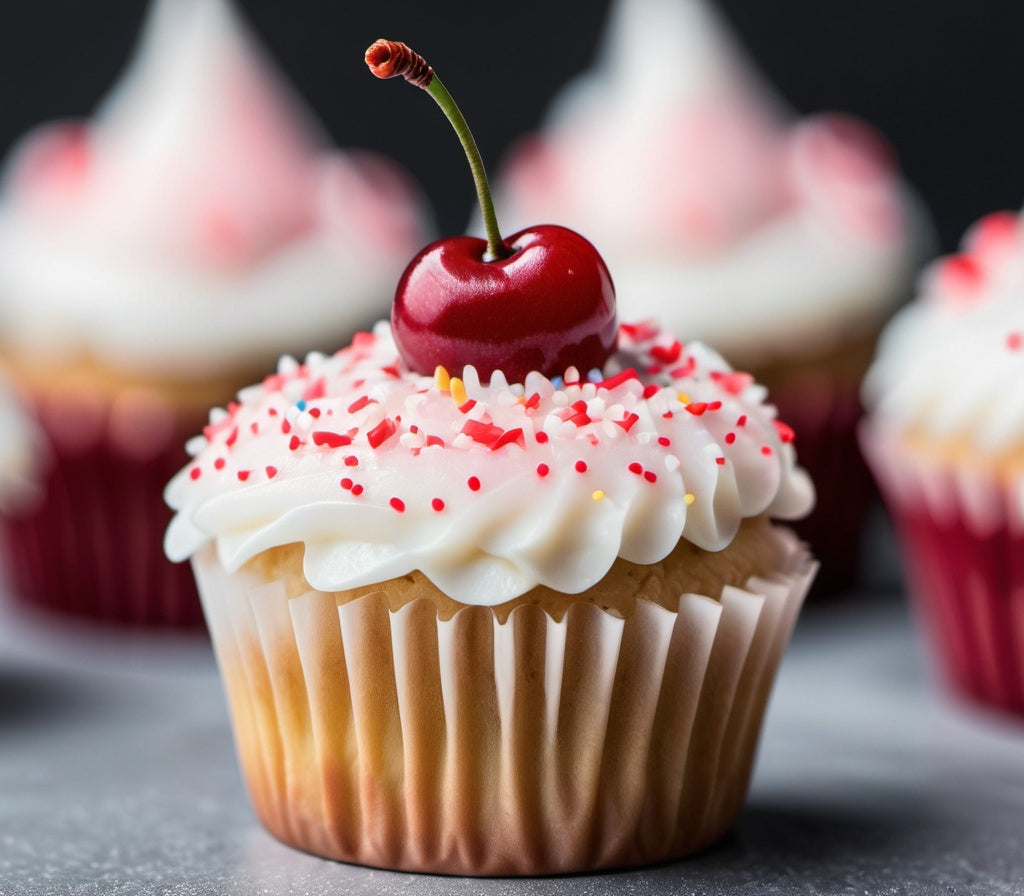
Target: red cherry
x,y
542,300
548,306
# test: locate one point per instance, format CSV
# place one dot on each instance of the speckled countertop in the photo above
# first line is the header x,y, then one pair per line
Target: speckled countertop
x,y
118,778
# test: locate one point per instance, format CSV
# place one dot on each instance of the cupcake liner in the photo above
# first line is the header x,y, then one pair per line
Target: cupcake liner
x,y
469,746
92,545
825,415
962,532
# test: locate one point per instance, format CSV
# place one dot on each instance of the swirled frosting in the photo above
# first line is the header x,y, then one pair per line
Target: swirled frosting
x,y
489,490
161,236
693,181
951,364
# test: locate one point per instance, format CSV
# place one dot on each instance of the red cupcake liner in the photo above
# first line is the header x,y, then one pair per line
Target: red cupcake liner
x,y
962,535
825,416
92,546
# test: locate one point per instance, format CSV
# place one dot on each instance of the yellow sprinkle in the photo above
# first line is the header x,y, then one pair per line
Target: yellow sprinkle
x,y
458,391
441,378
684,397
689,498
598,495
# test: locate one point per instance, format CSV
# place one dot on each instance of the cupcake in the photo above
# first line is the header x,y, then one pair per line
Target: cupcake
x,y
503,617
784,243
152,261
945,437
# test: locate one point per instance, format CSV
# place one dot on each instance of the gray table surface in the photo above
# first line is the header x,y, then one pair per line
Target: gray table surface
x,y
117,776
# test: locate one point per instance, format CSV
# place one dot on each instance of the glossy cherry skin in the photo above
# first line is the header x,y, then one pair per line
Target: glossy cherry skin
x,y
548,306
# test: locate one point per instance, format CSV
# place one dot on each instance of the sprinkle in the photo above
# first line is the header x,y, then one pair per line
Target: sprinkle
x,y
697,408
254,427
741,420
766,450
662,440
597,495
219,463
683,397
484,433
714,405
357,489
720,461
232,438
541,437
351,460
687,368
730,437
294,443
628,374
243,475
785,432
458,390
689,497
301,404
468,405
667,354
581,466
361,403
435,440
317,390
392,371
271,472
397,504
509,437
195,473
543,470
437,503
272,412
627,422
346,483
286,427
441,378
1014,341
651,390
650,476
381,432
635,468
473,483
331,439
532,402
314,413
733,383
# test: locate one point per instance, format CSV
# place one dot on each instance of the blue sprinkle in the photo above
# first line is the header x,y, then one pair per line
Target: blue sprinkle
x,y
558,382
301,404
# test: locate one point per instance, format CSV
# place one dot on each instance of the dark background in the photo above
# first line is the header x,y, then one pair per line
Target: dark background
x,y
942,79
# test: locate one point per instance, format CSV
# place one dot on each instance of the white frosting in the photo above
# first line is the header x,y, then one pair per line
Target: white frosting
x,y
198,223
619,469
689,179
952,363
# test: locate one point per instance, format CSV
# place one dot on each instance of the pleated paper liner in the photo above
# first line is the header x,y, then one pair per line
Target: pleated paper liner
x,y
92,546
467,746
962,534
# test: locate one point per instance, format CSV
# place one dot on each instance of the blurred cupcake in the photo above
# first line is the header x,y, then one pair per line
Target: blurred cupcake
x,y
151,261
496,629
945,437
783,243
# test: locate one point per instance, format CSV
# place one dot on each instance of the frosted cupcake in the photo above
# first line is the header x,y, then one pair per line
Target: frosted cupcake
x,y
945,437
497,620
784,243
152,260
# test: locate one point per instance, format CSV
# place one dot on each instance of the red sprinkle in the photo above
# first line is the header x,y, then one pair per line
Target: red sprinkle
x,y
473,483
730,437
232,437
195,473
651,390
635,468
543,470
541,437
785,432
435,440
357,489
510,436
662,440
361,403
484,433
1014,341
697,407
467,405
766,449
627,422
271,472
742,420
650,476
714,405
628,374
294,443
314,413
687,368
351,460
286,427
733,383
346,483
243,475
397,504
331,439
581,466
219,463
720,461
437,504
532,401
667,354
381,432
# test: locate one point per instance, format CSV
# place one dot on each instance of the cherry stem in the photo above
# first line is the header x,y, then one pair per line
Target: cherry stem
x,y
388,59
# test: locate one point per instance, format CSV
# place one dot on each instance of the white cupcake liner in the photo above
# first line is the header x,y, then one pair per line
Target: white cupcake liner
x,y
468,746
